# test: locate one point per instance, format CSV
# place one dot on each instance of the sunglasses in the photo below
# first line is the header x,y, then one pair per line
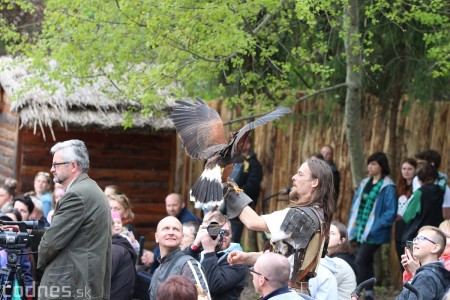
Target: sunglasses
x,y
225,232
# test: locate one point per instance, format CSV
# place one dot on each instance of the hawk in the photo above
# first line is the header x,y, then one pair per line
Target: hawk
x,y
202,134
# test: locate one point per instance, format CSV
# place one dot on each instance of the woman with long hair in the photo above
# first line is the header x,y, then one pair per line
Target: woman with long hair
x,y
341,252
404,192
121,204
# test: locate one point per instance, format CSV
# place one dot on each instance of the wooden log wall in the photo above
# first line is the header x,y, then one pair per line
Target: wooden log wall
x,y
8,139
142,165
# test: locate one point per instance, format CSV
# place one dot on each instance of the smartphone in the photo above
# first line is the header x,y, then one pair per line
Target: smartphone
x,y
409,245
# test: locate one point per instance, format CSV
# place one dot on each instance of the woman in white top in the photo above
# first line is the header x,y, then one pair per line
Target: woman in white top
x,y
341,252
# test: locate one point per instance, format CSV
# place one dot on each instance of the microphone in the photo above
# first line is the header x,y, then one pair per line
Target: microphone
x,y
286,191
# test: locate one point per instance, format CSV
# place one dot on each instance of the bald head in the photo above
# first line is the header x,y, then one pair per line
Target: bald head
x,y
174,204
169,233
275,267
168,221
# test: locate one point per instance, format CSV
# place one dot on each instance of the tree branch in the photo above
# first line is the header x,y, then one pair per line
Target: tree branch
x,y
182,48
301,99
324,90
262,24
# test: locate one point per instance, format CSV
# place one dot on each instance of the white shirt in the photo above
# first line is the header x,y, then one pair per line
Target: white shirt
x,y
345,277
324,285
277,236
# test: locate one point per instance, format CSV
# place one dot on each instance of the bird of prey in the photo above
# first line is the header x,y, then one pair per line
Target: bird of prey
x,y
203,137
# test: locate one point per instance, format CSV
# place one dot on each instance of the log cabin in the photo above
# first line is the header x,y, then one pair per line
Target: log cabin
x,y
140,160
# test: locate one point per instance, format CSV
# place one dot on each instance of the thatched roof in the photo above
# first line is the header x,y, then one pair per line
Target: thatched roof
x,y
87,106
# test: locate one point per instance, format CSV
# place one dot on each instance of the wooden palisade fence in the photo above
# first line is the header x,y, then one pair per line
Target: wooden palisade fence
x,y
282,150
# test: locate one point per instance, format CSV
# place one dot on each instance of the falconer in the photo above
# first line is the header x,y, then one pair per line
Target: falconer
x,y
298,231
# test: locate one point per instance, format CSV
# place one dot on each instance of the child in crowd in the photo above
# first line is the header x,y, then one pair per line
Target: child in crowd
x,y
118,228
445,227
445,256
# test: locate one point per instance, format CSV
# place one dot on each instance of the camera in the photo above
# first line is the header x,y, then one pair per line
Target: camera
x,y
214,229
17,240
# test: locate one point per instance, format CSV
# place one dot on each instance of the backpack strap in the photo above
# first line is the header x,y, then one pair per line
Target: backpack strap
x,y
197,280
179,255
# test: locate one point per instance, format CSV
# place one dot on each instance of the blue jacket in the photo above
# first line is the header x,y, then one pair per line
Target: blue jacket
x,y
379,224
186,215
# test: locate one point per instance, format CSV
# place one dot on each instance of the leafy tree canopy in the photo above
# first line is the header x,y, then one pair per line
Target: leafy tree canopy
x,y
245,51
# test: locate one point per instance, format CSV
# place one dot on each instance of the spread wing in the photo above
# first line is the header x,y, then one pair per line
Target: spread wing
x,y
200,128
239,139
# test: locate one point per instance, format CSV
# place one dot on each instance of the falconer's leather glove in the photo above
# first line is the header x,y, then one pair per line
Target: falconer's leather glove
x,y
235,200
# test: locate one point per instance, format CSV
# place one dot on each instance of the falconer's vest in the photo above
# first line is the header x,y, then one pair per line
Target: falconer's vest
x,y
306,228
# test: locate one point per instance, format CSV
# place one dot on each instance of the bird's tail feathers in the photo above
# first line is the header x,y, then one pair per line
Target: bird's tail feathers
x,y
207,190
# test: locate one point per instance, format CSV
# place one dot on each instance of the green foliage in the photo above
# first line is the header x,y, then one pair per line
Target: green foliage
x,y
407,45
252,52
19,23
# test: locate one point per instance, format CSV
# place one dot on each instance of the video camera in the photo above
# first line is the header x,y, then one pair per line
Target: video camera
x,y
18,240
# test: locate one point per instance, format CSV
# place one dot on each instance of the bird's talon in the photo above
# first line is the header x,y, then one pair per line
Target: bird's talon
x,y
232,186
237,189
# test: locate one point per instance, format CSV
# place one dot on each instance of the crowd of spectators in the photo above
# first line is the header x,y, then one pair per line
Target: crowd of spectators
x,y
199,258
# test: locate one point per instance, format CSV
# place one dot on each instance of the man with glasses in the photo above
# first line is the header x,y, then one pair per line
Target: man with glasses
x,y
270,277
75,251
211,247
431,278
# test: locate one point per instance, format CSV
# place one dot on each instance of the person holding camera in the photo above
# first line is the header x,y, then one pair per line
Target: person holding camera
x,y
211,247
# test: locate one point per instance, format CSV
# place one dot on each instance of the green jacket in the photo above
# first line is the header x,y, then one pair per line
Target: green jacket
x,y
76,249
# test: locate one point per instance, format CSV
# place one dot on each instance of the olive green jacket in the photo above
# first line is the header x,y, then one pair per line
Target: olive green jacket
x,y
76,249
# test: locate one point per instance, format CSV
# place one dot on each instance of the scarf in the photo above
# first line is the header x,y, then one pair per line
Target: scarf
x,y
365,208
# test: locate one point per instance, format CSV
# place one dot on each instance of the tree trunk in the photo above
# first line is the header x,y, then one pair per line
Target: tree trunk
x,y
352,117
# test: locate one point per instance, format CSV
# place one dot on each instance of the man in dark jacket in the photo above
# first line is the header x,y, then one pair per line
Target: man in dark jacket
x,y
224,281
248,176
327,152
123,273
431,279
169,233
175,207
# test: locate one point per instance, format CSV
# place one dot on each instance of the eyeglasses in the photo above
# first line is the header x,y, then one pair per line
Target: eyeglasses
x,y
61,163
252,270
420,239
